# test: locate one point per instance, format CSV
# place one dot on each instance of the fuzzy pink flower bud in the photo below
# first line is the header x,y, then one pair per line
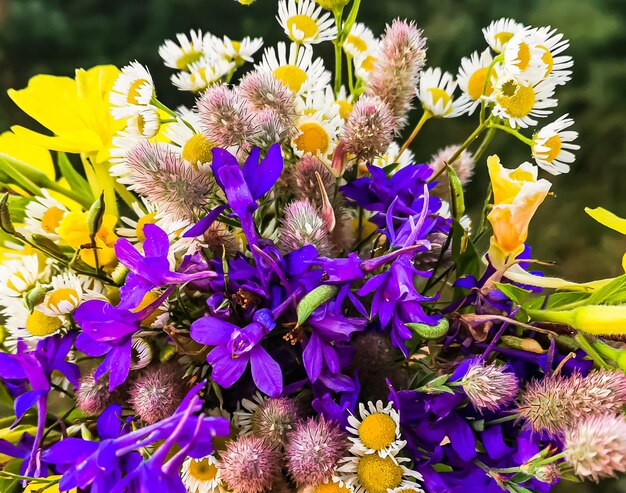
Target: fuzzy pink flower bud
x,y
250,465
275,418
93,396
489,387
157,392
463,166
303,225
261,91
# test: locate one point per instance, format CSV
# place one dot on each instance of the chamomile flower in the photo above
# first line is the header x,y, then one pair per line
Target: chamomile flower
x,y
407,488
371,473
243,417
195,147
322,102
65,295
145,124
296,70
187,51
520,103
360,40
436,92
552,144
391,157
132,91
316,135
498,33
378,431
19,275
237,52
343,102
29,326
43,216
523,59
201,475
552,44
202,74
364,64
304,22
471,79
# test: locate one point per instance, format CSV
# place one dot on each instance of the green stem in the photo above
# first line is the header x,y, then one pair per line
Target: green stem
x,y
586,346
606,351
338,50
484,144
425,117
349,61
504,419
30,479
483,104
513,132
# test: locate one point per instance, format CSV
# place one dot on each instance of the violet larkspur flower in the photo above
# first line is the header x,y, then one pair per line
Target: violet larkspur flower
x,y
235,347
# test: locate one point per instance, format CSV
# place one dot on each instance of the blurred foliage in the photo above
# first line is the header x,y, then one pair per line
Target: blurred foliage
x,y
56,36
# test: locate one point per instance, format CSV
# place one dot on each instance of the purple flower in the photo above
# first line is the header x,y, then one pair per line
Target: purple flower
x,y
235,347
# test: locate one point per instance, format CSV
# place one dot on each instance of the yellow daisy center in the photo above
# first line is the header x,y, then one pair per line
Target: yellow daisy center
x,y
503,37
41,325
313,138
476,84
368,63
516,99
555,144
292,76
54,298
187,59
133,92
236,46
345,108
547,59
304,25
330,488
377,475
377,431
143,220
357,42
440,95
202,470
51,219
523,56
197,149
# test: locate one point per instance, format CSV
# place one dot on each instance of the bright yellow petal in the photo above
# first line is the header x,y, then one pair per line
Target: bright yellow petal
x,y
44,488
27,152
608,219
624,262
75,142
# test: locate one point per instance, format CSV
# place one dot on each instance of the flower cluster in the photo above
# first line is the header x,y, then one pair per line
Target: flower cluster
x,y
265,291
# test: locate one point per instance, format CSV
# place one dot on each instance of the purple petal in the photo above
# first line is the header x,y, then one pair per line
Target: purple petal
x,y
211,331
312,358
69,451
127,254
117,362
109,423
25,402
262,178
10,367
91,347
157,243
205,223
266,372
226,369
221,158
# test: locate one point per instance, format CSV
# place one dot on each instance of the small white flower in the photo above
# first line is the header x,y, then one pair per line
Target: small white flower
x,y
133,90
523,59
304,22
201,475
187,51
391,156
316,135
19,275
360,40
43,216
202,74
552,144
436,92
471,79
378,430
144,124
498,33
237,52
553,45
65,295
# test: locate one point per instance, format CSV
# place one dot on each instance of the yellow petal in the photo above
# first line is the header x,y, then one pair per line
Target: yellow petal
x,y
27,152
624,262
35,487
608,219
77,141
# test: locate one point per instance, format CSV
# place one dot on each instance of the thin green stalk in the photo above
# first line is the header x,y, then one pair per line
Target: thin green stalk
x,y
349,61
513,132
338,50
483,104
425,117
586,346
484,144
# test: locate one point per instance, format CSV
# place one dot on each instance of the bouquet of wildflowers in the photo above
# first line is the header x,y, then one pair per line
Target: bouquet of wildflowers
x,y
265,292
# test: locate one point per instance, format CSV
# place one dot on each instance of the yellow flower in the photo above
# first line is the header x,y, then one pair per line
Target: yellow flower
x,y
75,232
592,319
517,196
609,220
40,487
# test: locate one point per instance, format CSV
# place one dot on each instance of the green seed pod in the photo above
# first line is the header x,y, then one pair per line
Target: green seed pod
x,y
430,332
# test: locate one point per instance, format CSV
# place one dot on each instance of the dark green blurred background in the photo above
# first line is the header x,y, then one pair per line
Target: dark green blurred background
x,y
56,36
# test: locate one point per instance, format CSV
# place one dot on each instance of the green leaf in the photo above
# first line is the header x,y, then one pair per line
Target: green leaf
x,y
95,216
11,485
514,293
457,199
76,182
6,223
314,299
428,332
521,477
442,468
612,293
47,246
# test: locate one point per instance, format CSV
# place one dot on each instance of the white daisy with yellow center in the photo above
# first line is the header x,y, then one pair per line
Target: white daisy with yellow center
x,y
343,103
304,22
552,145
523,59
391,157
43,215
472,77
519,103
295,69
64,296
364,64
436,92
371,473
180,55
237,52
360,40
202,74
498,33
333,485
378,430
323,102
19,275
244,416
552,44
193,146
316,135
28,326
132,91
201,475
145,124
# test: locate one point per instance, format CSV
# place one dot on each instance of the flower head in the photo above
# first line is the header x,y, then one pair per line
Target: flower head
x,y
201,475
489,387
596,447
304,182
93,396
360,40
157,392
472,80
302,225
463,166
204,73
187,50
262,90
499,33
436,92
313,451
250,464
304,22
552,144
378,431
133,90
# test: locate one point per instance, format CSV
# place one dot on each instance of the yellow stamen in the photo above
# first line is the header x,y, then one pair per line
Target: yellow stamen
x,y
516,99
202,470
368,63
304,24
523,56
345,108
440,95
330,488
41,325
503,38
377,475
313,138
133,92
292,76
476,84
54,298
377,431
357,42
51,219
555,144
547,59
198,150
187,59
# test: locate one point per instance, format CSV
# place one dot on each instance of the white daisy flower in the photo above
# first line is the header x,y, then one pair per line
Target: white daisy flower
x,y
187,51
360,40
436,92
371,472
132,90
552,144
201,475
122,143
520,103
320,102
244,415
364,64
26,325
407,488
144,124
378,430
498,33
523,59
296,70
391,157
304,22
43,215
202,74
471,79
19,275
65,295
552,44
237,52
344,102
316,135
185,134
